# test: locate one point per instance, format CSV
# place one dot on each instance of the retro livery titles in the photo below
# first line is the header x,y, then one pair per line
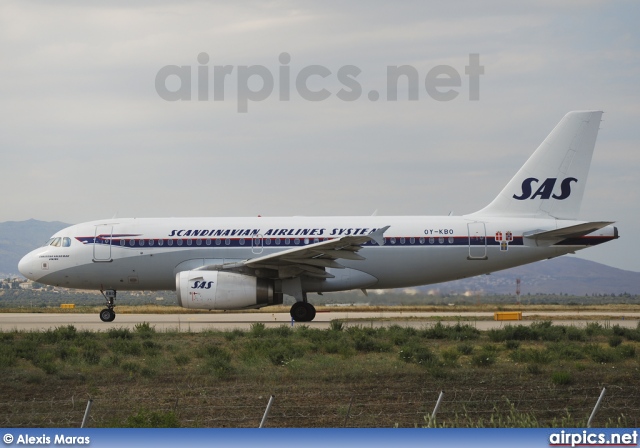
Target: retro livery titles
x,y
546,189
219,232
270,232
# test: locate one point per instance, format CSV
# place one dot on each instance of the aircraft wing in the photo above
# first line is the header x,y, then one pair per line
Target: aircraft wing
x,y
566,232
310,260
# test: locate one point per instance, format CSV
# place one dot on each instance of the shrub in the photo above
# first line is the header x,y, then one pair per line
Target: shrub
x,y
457,332
283,331
119,333
626,351
615,341
546,331
561,378
366,343
594,329
400,335
26,348
151,419
126,347
576,334
512,344
600,354
213,351
91,355
130,367
182,359
45,361
6,336
233,334
145,330
257,330
533,369
418,354
465,348
65,352
565,350
66,333
283,352
484,359
8,356
450,356
512,332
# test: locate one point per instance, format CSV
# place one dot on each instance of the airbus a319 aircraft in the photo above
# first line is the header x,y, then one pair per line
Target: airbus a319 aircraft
x,y
238,263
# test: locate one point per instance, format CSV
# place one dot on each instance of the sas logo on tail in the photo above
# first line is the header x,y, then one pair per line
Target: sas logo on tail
x,y
545,190
201,285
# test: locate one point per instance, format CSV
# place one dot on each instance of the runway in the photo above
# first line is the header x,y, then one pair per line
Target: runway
x,y
243,321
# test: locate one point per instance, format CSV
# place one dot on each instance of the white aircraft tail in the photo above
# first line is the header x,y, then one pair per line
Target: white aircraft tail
x,y
551,183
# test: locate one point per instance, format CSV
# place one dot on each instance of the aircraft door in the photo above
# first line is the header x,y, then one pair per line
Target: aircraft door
x,y
102,242
477,241
256,244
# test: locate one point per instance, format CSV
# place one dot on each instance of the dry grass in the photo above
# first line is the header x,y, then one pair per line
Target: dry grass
x,y
390,376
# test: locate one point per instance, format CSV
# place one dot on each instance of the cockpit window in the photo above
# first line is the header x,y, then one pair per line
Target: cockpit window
x,y
59,242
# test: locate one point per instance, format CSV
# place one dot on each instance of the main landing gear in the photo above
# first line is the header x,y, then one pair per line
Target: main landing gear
x,y
303,311
107,314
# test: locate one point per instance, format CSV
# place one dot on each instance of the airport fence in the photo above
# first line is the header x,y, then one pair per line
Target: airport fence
x,y
380,407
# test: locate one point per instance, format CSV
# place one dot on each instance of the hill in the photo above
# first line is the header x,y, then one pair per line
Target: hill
x,y
567,274
19,237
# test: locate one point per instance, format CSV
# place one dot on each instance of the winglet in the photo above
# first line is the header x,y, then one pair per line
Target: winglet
x,y
378,235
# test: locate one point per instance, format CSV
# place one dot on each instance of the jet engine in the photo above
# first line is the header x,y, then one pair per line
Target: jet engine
x,y
220,290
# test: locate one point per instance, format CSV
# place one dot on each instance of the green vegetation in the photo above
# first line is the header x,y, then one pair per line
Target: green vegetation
x,y
537,375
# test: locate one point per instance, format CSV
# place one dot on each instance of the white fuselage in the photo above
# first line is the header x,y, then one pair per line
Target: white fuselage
x,y
146,254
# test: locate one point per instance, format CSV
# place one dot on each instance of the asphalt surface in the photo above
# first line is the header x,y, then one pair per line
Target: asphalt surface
x,y
230,320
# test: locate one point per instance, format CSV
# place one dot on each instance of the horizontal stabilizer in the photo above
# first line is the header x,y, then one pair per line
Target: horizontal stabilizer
x,y
567,232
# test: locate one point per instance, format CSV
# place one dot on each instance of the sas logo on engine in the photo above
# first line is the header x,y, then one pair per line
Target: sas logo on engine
x,y
545,190
201,285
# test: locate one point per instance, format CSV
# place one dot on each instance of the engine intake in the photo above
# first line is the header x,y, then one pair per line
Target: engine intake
x,y
219,290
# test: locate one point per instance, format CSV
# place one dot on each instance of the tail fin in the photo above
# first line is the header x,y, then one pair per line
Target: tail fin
x,y
551,183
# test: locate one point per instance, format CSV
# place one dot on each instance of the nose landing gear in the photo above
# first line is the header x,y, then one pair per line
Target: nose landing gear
x,y
107,314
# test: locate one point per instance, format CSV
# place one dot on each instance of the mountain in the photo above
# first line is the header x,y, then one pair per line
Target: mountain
x,y
19,237
566,274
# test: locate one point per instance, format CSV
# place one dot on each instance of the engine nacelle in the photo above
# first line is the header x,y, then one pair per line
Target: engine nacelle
x,y
219,290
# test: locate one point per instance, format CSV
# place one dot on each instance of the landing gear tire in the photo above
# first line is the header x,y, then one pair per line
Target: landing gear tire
x,y
303,312
107,315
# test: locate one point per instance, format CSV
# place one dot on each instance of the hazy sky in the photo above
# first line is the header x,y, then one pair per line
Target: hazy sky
x,y
85,135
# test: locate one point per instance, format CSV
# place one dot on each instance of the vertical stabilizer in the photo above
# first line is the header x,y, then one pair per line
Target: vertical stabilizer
x,y
552,182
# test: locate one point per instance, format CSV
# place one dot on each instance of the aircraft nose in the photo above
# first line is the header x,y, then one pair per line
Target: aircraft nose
x,y
26,267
